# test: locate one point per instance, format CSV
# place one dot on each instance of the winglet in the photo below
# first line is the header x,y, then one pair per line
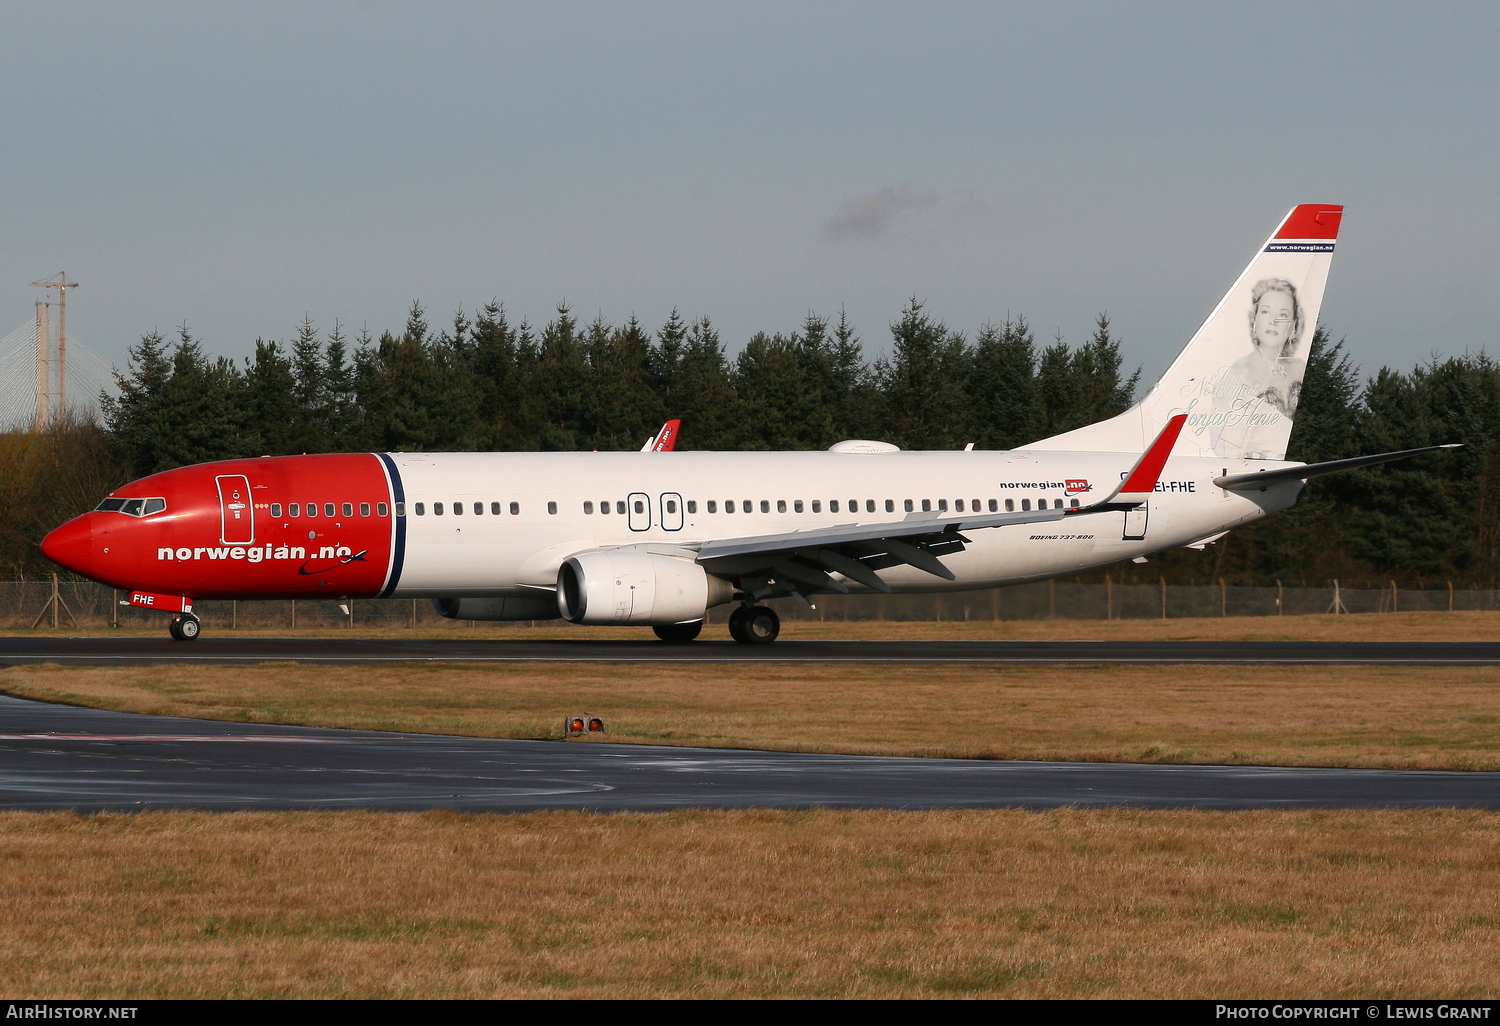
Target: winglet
x,y
664,440
1141,481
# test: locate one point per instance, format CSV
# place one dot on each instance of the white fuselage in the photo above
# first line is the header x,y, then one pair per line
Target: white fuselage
x,y
681,500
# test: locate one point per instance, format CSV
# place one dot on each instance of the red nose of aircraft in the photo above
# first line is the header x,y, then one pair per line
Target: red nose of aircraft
x,y
71,545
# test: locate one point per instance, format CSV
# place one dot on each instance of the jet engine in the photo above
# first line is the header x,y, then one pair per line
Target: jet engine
x,y
526,608
623,586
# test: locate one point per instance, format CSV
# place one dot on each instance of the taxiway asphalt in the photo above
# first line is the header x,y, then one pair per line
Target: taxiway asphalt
x,y
104,651
55,757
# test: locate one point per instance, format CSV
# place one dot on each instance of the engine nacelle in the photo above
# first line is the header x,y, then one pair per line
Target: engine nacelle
x,y
527,608
622,586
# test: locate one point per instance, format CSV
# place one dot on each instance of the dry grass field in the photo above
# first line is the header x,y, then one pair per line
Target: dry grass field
x,y
1068,903
1410,717
1422,626
743,904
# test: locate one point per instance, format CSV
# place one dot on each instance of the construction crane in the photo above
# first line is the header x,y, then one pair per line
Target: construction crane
x,y
43,372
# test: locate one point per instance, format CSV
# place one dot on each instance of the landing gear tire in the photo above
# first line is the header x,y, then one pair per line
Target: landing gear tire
x,y
184,627
737,625
754,625
678,633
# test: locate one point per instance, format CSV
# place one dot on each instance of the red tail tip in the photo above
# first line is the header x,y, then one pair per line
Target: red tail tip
x,y
1312,221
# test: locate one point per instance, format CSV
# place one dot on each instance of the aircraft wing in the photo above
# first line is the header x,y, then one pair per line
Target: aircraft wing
x,y
802,561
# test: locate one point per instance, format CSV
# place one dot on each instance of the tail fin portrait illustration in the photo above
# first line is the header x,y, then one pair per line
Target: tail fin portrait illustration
x,y
1240,377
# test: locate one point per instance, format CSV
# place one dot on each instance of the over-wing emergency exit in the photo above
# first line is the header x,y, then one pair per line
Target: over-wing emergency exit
x,y
640,538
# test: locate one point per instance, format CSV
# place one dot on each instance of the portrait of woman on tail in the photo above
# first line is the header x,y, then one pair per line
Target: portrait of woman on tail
x,y
1255,392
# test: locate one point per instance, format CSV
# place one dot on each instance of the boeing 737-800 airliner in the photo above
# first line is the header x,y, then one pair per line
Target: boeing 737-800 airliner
x,y
657,538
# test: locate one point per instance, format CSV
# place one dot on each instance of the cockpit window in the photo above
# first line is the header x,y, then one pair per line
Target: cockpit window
x,y
132,507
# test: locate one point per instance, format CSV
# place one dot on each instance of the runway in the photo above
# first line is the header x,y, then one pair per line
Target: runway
x,y
98,651
55,757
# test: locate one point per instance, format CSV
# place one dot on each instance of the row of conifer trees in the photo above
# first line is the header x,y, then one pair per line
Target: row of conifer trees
x,y
487,384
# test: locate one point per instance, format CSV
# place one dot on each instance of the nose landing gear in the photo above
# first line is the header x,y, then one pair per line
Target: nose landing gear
x,y
754,625
184,627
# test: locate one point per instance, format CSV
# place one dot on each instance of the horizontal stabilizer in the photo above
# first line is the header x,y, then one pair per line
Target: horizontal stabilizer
x,y
1266,478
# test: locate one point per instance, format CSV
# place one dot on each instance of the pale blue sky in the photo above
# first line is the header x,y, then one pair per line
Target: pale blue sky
x,y
239,165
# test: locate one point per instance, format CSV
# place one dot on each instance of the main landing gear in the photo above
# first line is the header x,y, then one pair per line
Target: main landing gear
x,y
184,627
754,625
678,633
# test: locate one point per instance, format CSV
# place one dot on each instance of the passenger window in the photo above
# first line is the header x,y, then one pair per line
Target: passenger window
x,y
293,509
604,507
958,505
552,508
348,509
494,509
619,507
817,506
713,506
515,509
276,510
974,505
364,509
382,510
588,509
994,506
154,506
1057,504
420,509
692,505
908,506
926,505
765,506
640,507
458,509
833,506
942,505
1073,503
671,505
780,506
312,509
728,505
1010,505
328,509
1025,505
478,509
747,506
437,509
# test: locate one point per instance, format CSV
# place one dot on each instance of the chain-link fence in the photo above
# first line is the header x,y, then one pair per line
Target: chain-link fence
x,y
1105,601
25,604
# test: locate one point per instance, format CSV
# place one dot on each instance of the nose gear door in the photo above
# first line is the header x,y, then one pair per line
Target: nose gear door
x,y
237,525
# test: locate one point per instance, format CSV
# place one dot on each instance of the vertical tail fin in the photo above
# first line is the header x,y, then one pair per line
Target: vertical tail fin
x,y
1239,379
